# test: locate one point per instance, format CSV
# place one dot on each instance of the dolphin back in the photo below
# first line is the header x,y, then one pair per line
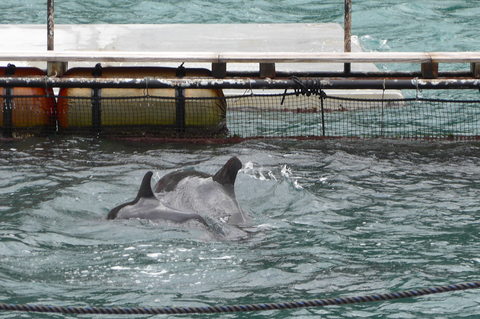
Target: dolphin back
x,y
168,182
147,206
228,173
145,191
189,195
225,176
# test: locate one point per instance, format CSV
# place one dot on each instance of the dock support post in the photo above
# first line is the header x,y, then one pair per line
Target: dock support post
x,y
322,95
56,68
347,35
267,70
430,70
475,68
7,112
96,111
53,68
180,109
50,24
8,104
219,70
97,103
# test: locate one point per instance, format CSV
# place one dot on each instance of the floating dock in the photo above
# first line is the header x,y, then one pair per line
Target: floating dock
x,y
170,39
216,80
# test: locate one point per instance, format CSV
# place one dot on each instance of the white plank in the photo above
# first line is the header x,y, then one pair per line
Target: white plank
x,y
297,37
244,57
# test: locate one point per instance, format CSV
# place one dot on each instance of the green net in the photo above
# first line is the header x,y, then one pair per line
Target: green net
x,y
243,116
328,116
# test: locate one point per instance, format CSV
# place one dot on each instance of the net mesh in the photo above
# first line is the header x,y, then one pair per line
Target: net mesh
x,y
245,116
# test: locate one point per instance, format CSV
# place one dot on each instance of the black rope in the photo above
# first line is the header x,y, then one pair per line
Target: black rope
x,y
308,87
240,308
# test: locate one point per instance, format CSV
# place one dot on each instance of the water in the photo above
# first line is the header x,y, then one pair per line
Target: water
x,y
331,217
387,25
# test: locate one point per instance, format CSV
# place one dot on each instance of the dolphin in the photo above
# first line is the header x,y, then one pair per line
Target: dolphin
x,y
147,206
186,195
212,196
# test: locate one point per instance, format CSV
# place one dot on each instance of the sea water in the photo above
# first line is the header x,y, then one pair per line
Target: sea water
x,y
331,218
380,25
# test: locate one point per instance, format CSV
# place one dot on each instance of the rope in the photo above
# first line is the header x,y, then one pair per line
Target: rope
x,y
240,308
307,87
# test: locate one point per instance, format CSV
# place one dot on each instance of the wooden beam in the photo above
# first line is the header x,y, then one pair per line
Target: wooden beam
x,y
267,70
55,68
475,68
244,57
430,70
219,70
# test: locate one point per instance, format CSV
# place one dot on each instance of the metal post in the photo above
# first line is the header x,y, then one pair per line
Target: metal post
x,y
180,109
8,104
53,68
96,111
322,95
50,24
96,102
7,112
50,34
347,36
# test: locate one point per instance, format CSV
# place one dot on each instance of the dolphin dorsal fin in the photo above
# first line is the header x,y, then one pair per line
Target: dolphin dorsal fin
x,y
145,190
228,173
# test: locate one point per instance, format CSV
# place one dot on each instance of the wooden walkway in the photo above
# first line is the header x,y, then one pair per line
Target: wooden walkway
x,y
243,57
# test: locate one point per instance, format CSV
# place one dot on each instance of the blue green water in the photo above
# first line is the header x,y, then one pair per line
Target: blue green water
x,y
389,25
331,217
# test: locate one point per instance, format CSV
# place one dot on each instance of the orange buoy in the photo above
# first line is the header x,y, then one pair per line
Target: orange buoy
x,y
25,108
123,109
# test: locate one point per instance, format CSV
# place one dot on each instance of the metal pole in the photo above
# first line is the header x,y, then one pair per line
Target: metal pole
x,y
50,35
8,112
380,84
50,24
53,68
347,36
180,108
96,111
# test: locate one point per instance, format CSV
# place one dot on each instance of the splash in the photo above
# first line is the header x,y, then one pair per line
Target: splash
x,y
284,173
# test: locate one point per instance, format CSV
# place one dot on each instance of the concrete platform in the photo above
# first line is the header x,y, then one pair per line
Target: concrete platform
x,y
310,37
